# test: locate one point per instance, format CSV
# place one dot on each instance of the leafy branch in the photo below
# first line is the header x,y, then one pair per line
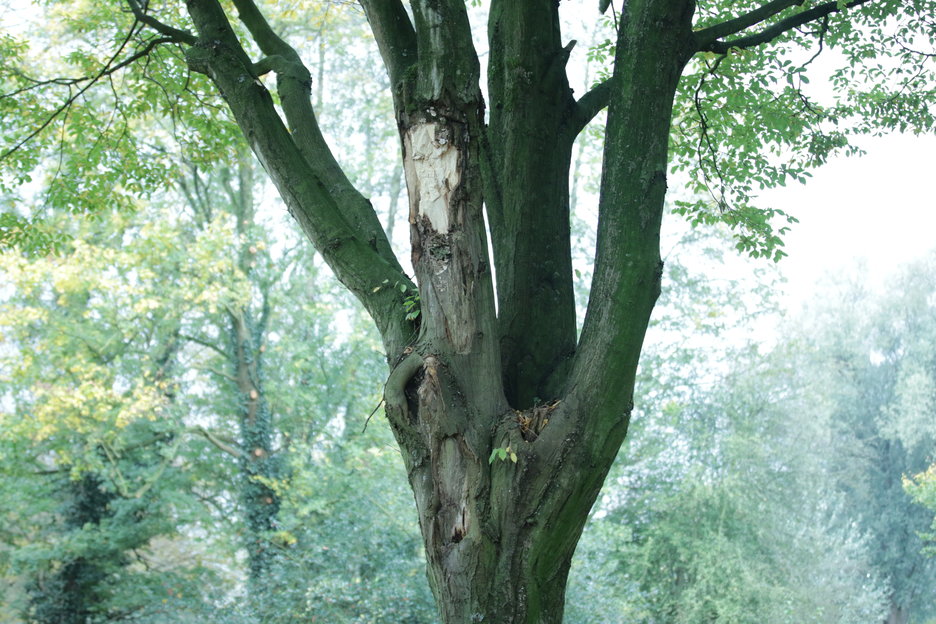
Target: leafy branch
x,y
708,40
110,67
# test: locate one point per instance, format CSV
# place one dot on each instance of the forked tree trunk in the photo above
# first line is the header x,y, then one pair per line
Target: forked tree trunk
x,y
500,534
507,424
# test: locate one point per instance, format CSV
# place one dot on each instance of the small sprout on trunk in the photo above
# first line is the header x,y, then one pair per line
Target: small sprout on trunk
x,y
502,453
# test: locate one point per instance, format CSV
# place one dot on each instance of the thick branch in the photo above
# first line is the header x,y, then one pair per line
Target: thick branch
x,y
533,123
176,34
396,40
590,104
743,22
206,343
349,238
294,83
266,38
653,46
772,32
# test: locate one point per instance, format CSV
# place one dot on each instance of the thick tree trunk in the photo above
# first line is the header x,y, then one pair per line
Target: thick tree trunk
x,y
502,493
507,427
500,534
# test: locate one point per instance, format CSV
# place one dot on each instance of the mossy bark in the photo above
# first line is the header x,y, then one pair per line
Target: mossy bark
x,y
506,424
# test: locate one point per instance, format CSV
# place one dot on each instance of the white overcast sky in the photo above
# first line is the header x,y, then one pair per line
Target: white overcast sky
x,y
880,207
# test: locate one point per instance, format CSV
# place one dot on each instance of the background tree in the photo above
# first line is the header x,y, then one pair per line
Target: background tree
x,y
90,426
704,88
875,367
117,507
720,507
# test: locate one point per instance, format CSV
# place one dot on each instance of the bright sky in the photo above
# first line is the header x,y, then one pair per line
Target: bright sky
x,y
880,207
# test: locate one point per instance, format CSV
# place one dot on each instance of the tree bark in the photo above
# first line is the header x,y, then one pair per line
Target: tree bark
x,y
507,427
500,535
259,466
533,126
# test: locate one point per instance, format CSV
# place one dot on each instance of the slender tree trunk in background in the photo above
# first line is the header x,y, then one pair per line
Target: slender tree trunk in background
x,y
898,615
229,191
258,465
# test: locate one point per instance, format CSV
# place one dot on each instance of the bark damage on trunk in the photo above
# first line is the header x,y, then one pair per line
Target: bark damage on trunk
x,y
505,440
507,424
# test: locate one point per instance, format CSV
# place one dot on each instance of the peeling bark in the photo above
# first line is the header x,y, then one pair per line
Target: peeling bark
x,y
465,386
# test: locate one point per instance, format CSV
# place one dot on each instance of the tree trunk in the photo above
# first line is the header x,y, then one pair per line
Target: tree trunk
x,y
532,126
897,615
507,427
258,465
505,463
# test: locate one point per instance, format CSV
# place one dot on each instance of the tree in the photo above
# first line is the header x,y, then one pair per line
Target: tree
x,y
718,508
876,370
90,429
120,456
507,420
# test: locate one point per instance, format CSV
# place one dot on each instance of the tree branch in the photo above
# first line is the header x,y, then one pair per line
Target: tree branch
x,y
205,343
396,39
743,22
227,448
342,225
772,32
294,84
590,104
220,374
270,43
176,34
107,70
